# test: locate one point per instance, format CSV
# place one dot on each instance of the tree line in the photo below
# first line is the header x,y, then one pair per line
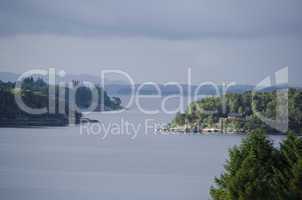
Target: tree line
x,y
243,105
35,94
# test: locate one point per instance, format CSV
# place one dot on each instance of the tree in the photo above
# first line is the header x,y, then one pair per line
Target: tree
x,y
180,119
257,170
288,172
248,173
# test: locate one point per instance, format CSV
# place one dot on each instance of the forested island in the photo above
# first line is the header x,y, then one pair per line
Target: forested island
x,y
235,113
34,93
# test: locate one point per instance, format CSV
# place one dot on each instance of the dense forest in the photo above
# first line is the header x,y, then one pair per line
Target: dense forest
x,y
238,111
256,169
34,93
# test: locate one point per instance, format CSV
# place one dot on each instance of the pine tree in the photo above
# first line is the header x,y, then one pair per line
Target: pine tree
x,y
248,173
256,170
288,172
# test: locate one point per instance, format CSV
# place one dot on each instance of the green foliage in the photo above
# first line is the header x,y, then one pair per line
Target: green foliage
x,y
34,93
180,119
84,98
288,179
295,110
208,110
257,170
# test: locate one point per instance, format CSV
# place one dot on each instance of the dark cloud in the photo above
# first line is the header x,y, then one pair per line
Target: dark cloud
x,y
169,19
155,40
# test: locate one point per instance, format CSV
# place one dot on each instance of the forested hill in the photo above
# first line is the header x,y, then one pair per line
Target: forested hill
x,y
238,114
34,93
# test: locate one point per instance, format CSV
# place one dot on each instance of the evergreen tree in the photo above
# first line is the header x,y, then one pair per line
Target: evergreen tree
x,y
288,172
248,173
256,170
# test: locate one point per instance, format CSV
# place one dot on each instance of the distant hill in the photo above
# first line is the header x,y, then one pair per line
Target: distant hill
x,y
8,76
12,77
117,89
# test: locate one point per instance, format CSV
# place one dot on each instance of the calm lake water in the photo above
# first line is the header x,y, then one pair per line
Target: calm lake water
x,y
83,162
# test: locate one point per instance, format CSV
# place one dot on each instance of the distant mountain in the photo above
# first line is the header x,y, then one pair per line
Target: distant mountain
x,y
8,77
12,77
275,87
117,89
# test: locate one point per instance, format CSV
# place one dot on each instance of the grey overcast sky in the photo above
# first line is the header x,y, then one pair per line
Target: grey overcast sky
x,y
154,40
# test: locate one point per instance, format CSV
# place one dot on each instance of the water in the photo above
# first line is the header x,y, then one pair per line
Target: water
x,y
67,163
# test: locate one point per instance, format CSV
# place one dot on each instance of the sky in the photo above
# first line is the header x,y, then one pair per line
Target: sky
x,y
158,40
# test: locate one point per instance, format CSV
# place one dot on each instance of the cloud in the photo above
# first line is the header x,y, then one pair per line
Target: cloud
x,y
145,59
162,19
242,41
